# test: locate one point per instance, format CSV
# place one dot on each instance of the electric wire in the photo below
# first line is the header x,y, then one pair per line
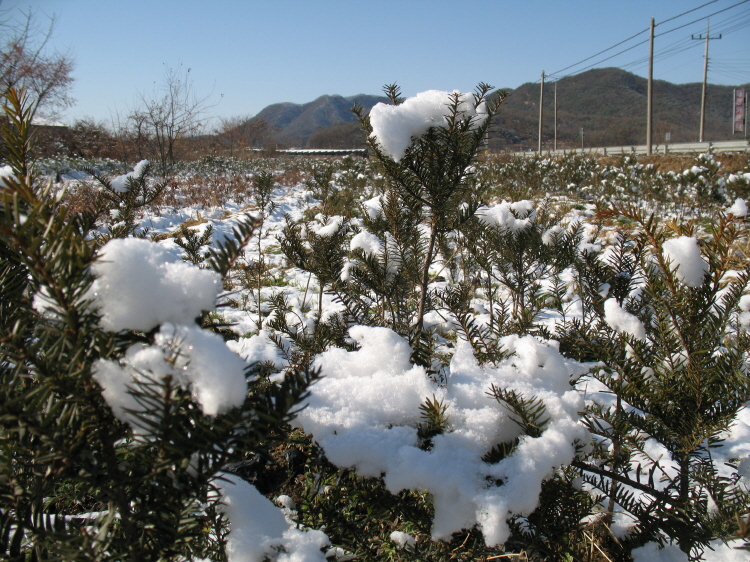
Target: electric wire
x,y
632,37
677,47
685,13
731,24
703,18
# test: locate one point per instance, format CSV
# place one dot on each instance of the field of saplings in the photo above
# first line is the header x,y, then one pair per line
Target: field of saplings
x,y
431,354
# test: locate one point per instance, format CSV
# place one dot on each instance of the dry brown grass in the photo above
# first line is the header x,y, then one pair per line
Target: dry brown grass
x,y
80,197
740,257
206,192
291,177
734,161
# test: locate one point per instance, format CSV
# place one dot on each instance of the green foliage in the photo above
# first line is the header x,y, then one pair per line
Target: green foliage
x,y
253,275
520,259
118,208
76,483
320,254
298,342
528,413
432,180
380,288
435,421
337,185
556,529
680,387
484,339
359,515
192,244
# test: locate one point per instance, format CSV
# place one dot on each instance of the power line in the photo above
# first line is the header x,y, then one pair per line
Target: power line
x,y
736,27
704,17
685,13
725,26
604,51
632,37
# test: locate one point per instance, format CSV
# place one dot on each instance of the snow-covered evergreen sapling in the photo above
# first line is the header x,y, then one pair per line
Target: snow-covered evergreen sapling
x,y
377,283
192,243
254,272
120,198
317,246
514,248
673,380
117,412
426,146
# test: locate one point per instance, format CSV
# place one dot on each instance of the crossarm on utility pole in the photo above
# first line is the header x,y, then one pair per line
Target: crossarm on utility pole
x,y
705,76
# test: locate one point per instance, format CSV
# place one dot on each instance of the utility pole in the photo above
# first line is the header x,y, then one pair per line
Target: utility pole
x,y
705,76
650,93
541,112
581,139
555,115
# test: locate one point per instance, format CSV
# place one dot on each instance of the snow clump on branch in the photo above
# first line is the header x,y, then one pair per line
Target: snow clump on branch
x,y
364,413
121,183
686,260
623,322
259,531
394,126
140,286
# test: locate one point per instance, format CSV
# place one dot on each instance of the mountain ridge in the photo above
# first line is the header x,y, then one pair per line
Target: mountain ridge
x,y
609,104
295,123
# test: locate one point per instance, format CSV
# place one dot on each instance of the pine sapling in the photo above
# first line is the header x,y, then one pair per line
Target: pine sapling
x,y
434,175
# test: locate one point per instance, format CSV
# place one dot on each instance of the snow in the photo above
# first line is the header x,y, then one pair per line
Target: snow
x,y
552,234
258,530
121,184
402,539
364,413
394,126
686,260
671,553
371,245
743,469
623,322
257,348
505,215
652,553
194,358
140,285
367,242
326,227
739,209
5,172
374,207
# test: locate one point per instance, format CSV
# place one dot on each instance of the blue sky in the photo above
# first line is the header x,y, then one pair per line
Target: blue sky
x,y
249,54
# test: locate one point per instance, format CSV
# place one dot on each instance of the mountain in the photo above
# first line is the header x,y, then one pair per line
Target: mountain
x,y
296,123
609,104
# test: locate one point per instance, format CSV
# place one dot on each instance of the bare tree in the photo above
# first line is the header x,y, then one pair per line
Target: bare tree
x,y
89,138
240,133
229,134
27,63
170,113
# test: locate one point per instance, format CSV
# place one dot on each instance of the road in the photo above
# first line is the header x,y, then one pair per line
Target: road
x,y
678,148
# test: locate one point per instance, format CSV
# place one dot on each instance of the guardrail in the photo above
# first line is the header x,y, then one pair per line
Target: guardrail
x,y
319,151
677,148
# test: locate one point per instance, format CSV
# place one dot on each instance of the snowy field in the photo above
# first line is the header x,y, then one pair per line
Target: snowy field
x,y
366,411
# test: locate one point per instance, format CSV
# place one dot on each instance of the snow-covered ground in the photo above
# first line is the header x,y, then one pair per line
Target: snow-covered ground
x,y
365,411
